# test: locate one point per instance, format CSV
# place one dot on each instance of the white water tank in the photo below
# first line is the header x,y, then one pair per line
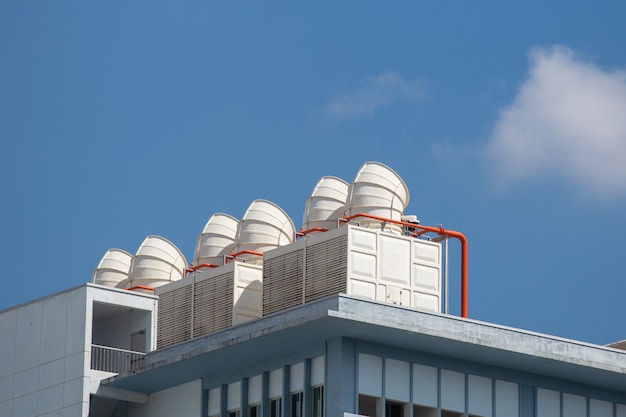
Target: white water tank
x,y
157,262
377,190
112,268
264,226
326,204
216,240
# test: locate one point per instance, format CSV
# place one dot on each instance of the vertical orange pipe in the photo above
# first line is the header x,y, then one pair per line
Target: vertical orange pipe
x,y
464,268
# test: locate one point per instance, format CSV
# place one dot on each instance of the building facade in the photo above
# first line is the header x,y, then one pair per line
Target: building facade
x,y
342,355
55,351
345,318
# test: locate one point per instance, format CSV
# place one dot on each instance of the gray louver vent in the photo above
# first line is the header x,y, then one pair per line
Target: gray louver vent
x,y
213,304
211,309
326,268
282,282
174,320
285,285
208,301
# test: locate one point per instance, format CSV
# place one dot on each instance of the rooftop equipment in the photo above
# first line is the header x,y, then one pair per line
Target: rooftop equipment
x,y
378,190
209,300
326,204
112,268
264,226
216,240
357,261
157,262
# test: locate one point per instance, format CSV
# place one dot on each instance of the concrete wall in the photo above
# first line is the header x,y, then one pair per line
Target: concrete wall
x,y
116,331
43,351
141,312
182,401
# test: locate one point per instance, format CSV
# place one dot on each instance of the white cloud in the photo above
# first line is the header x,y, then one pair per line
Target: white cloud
x,y
373,94
568,119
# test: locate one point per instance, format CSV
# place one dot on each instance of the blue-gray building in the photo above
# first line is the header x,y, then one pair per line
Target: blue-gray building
x,y
346,317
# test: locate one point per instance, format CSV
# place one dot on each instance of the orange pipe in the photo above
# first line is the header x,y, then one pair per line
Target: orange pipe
x,y
243,252
193,268
441,232
314,229
140,287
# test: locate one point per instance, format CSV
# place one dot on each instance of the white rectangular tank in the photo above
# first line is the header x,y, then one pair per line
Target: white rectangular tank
x,y
208,300
358,261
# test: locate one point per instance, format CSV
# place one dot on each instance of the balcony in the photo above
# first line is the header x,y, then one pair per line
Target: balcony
x,y
110,359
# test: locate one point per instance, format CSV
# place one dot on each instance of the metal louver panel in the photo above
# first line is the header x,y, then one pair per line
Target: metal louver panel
x,y
326,268
282,282
285,283
213,304
208,301
174,319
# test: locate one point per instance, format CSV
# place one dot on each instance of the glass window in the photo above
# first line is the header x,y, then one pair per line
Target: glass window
x,y
445,413
318,401
394,409
275,407
254,410
368,405
296,404
421,411
233,413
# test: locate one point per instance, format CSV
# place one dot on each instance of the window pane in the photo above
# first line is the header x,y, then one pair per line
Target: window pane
x,y
318,401
420,411
393,409
255,411
275,406
368,405
296,404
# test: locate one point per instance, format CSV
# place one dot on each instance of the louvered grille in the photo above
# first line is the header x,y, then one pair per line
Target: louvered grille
x,y
211,307
282,282
213,304
174,320
326,266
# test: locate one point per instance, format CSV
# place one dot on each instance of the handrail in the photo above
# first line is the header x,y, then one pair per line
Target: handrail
x,y
118,349
232,256
116,360
441,232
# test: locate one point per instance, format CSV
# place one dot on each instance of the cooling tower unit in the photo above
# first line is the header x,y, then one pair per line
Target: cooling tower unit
x,y
326,204
157,262
377,190
209,301
357,261
264,226
216,240
113,268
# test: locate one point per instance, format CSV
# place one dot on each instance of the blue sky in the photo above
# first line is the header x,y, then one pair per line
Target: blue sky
x,y
507,122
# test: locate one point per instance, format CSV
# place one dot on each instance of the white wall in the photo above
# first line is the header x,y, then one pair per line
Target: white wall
x,y
116,331
144,318
43,355
181,401
46,351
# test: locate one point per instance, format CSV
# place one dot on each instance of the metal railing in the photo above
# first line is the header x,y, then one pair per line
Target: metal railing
x,y
110,359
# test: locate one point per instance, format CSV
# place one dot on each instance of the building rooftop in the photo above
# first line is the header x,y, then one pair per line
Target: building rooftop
x,y
336,316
